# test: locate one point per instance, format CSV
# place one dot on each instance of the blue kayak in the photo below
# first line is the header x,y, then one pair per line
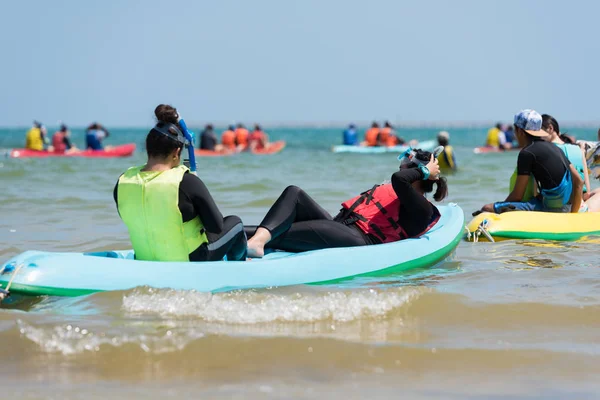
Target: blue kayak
x,y
426,145
37,273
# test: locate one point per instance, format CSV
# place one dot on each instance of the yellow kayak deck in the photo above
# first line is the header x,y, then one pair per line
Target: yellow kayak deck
x,y
536,225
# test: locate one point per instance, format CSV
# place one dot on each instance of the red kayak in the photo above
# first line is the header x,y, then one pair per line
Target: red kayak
x,y
123,150
272,148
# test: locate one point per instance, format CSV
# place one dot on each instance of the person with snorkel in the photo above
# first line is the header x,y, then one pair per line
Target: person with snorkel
x,y
169,212
384,213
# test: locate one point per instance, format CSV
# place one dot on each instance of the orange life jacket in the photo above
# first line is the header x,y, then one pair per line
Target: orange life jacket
x,y
228,139
392,141
376,212
241,136
259,137
58,142
385,135
372,136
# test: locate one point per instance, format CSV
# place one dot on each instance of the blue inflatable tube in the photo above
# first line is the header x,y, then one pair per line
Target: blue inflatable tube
x,y
74,274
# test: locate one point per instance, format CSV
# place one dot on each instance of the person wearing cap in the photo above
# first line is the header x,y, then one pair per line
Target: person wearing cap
x,y
169,212
61,141
560,186
382,214
446,157
350,136
35,138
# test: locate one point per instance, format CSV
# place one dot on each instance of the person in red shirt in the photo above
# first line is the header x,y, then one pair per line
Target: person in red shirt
x,y
61,141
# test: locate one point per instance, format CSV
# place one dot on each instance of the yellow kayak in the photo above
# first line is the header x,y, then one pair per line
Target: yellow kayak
x,y
533,225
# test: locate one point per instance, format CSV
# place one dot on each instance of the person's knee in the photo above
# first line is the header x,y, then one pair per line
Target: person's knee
x,y
292,189
232,220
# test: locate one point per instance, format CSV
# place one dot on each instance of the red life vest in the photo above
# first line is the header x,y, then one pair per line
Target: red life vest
x,y
58,142
376,212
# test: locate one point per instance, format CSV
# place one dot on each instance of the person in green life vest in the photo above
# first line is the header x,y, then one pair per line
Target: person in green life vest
x,y
446,158
559,181
169,212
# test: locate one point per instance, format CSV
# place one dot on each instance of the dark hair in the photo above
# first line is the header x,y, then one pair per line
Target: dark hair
x,y
257,127
157,144
499,125
209,127
567,138
442,186
442,141
548,120
374,125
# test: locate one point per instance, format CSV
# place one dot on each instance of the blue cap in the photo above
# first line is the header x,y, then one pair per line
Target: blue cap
x,y
531,122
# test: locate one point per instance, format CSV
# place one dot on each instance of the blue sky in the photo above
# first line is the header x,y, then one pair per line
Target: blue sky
x,y
297,61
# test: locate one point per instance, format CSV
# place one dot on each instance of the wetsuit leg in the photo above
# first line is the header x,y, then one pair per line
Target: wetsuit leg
x,y
293,205
231,242
317,234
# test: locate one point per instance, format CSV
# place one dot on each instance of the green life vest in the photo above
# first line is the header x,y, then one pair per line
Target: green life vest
x,y
148,202
528,195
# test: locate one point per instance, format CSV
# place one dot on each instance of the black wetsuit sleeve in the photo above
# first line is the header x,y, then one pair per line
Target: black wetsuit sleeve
x,y
192,189
416,211
67,142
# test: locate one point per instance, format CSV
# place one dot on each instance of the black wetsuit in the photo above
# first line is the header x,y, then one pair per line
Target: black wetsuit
x,y
297,223
208,140
545,161
225,235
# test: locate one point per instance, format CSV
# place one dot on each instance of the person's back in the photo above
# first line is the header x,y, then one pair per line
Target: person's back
x,y
168,211
257,139
228,138
94,135
34,140
545,161
208,138
350,136
495,137
372,135
446,158
241,136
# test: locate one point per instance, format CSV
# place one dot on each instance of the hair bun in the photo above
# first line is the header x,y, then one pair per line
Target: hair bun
x,y
166,113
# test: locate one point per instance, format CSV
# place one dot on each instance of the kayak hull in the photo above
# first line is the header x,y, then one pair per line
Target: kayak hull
x,y
426,145
123,150
537,225
75,274
490,149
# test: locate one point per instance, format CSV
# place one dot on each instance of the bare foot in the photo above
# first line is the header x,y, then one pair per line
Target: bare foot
x,y
255,250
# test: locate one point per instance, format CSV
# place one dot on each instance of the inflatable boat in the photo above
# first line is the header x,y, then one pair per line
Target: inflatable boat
x,y
123,150
426,145
38,273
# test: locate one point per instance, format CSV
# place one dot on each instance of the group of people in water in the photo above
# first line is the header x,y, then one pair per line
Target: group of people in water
x,y
37,139
374,136
551,173
233,139
171,216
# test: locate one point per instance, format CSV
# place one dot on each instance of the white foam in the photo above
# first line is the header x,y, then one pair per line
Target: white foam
x,y
249,307
70,339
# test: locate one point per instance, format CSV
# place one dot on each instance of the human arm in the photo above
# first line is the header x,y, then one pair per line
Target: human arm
x,y
414,202
577,193
203,203
586,175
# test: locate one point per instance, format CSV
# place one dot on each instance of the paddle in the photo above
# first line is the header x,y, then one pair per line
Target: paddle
x,y
190,138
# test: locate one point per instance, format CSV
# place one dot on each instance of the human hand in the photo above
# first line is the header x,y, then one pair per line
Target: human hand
x,y
434,169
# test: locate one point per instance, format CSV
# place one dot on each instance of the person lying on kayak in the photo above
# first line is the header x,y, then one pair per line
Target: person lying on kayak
x,y
258,139
94,135
61,141
169,212
297,223
559,182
